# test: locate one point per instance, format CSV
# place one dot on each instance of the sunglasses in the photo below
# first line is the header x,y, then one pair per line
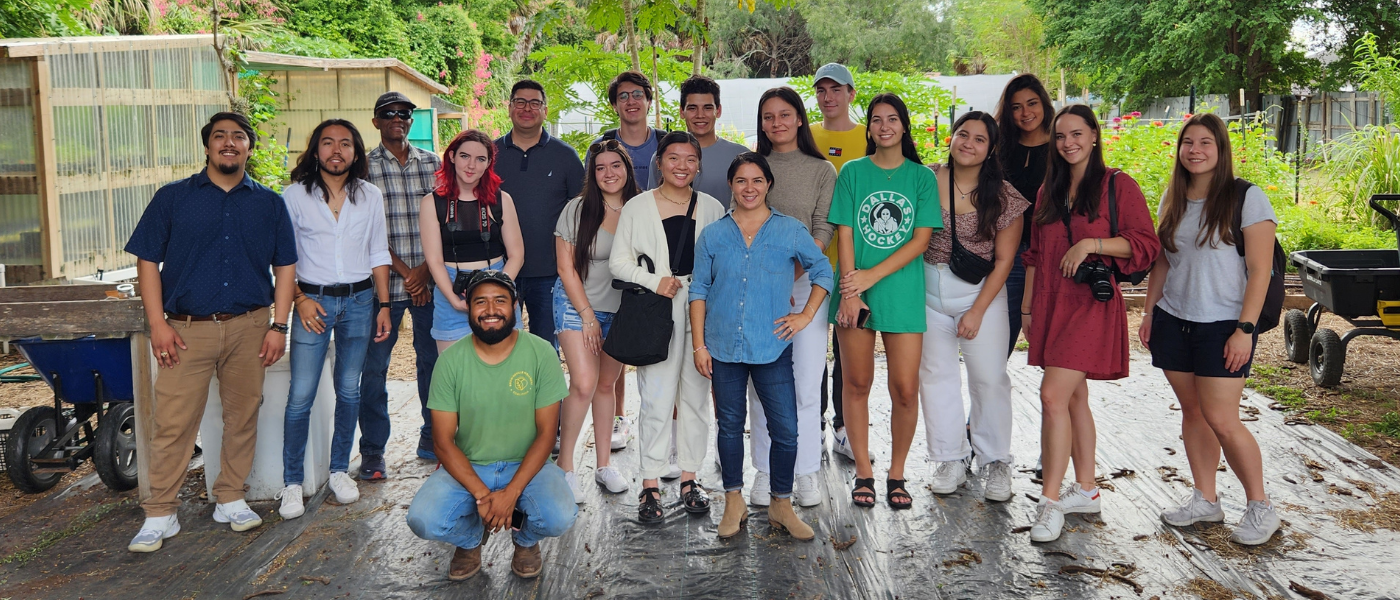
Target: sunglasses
x,y
605,145
405,114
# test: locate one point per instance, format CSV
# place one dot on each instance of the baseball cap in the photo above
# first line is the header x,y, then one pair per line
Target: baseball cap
x,y
392,97
836,72
482,276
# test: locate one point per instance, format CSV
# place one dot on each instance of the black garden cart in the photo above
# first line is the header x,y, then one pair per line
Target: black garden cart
x,y
1361,286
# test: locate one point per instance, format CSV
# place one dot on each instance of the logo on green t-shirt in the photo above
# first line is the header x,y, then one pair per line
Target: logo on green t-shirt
x,y
521,383
885,219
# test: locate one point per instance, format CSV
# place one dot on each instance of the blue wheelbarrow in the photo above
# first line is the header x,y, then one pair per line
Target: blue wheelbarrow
x,y
92,416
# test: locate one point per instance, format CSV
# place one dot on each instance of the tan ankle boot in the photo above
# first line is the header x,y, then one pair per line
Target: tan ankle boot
x,y
780,516
735,514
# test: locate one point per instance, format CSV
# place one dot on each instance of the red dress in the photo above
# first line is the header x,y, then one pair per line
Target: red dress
x,y
1069,328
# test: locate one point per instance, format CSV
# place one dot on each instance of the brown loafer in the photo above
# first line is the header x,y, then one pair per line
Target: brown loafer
x,y
465,563
527,562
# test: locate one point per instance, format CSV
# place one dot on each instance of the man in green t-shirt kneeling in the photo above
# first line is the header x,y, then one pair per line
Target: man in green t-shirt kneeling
x,y
495,406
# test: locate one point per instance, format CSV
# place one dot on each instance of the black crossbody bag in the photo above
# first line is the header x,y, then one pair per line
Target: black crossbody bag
x,y
642,327
962,262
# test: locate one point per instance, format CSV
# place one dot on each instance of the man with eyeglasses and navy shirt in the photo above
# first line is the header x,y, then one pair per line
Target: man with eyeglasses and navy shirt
x,y
542,173
405,174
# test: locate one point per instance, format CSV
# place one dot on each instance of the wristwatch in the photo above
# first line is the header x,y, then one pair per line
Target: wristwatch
x,y
279,327
380,304
1246,327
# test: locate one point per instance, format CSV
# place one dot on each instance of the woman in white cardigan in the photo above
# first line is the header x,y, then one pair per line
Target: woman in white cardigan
x,y
654,224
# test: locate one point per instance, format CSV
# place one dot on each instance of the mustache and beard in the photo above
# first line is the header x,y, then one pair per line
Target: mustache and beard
x,y
494,335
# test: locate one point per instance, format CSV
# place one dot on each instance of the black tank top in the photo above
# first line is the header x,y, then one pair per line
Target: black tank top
x,y
469,236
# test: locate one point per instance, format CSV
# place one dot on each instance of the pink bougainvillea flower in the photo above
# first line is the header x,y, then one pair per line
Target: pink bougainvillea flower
x,y
420,16
442,74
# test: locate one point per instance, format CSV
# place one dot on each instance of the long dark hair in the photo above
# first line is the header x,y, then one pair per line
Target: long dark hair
x,y
1218,215
486,187
990,178
1010,132
308,169
676,137
805,143
906,144
1056,190
592,210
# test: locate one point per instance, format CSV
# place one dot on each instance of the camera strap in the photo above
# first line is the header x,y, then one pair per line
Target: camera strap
x,y
1112,212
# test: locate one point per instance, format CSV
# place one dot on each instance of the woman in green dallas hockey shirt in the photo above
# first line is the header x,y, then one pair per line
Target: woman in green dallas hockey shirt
x,y
885,208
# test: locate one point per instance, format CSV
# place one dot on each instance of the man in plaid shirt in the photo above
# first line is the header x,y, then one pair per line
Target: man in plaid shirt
x,y
405,174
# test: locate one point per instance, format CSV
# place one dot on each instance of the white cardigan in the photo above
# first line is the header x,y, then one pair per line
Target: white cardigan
x,y
639,231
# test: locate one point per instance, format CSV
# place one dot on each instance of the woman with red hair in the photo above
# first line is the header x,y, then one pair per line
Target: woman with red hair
x,y
467,224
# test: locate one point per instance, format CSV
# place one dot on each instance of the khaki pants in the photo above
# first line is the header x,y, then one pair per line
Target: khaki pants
x,y
230,350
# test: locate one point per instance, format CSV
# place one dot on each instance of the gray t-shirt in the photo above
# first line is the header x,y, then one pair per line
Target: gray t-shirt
x,y
1207,284
714,170
641,157
598,285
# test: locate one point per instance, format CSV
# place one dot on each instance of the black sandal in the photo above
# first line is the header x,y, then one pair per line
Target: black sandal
x,y
649,506
894,488
696,501
857,495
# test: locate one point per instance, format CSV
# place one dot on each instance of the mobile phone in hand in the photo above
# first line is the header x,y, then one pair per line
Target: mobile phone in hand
x,y
862,317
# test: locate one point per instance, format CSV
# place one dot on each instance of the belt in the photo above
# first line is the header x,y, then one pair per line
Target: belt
x,y
343,289
216,317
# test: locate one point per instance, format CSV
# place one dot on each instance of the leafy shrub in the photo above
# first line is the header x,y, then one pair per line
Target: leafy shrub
x,y
1361,164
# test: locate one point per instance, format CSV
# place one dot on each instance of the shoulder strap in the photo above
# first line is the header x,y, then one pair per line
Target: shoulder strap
x,y
685,231
657,134
1241,190
1112,205
610,134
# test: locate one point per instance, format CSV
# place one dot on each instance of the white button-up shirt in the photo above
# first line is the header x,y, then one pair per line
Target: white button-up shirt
x,y
331,251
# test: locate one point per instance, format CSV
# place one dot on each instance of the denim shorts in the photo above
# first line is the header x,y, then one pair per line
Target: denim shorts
x,y
1191,347
566,318
450,324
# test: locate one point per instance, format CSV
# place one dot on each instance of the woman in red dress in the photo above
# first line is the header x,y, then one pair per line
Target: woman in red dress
x,y
1074,333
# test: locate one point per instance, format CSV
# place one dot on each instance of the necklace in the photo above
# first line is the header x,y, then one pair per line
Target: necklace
x,y
889,173
610,207
961,194
668,198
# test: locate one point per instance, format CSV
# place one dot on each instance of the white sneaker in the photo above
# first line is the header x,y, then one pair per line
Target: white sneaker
x,y
673,465
805,491
1074,501
292,503
620,433
1196,509
948,475
1259,523
762,492
237,514
1048,522
996,481
611,480
345,489
153,533
842,444
571,478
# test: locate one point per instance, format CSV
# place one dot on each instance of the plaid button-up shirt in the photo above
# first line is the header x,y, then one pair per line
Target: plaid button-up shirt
x,y
404,187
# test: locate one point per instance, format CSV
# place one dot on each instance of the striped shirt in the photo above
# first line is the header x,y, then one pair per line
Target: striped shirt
x,y
404,188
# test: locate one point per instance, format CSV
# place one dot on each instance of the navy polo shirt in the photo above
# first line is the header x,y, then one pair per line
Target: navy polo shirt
x,y
541,181
217,246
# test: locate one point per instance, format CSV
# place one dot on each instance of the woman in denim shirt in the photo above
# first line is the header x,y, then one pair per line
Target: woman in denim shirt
x,y
756,248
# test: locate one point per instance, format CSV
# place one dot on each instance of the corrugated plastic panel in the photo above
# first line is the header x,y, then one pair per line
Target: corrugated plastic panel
x,y
359,89
17,117
173,69
127,205
208,73
312,90
177,138
73,70
78,140
129,137
83,217
19,230
126,70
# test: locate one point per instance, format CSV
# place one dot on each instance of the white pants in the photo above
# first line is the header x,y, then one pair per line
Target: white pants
x,y
946,298
667,384
808,362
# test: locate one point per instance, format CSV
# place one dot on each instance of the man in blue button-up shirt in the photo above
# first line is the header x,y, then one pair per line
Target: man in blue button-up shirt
x,y
216,233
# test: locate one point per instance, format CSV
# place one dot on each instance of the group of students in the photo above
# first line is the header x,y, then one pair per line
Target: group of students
x,y
758,251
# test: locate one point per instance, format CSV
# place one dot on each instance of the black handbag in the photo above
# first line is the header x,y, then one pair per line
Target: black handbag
x,y
642,326
962,262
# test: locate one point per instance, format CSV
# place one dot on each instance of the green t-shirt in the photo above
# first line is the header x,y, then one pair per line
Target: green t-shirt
x,y
495,404
883,208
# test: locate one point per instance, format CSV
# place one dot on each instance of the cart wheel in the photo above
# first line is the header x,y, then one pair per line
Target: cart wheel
x,y
115,454
33,430
1297,335
1326,357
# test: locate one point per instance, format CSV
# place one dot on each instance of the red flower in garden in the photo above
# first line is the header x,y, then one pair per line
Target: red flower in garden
x,y
930,129
1156,123
1114,138
947,140
1135,114
928,144
1186,116
1117,120
1166,142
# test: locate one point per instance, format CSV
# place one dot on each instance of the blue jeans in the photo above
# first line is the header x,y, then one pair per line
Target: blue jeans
x,y
537,294
444,511
566,317
374,394
1015,291
351,319
778,394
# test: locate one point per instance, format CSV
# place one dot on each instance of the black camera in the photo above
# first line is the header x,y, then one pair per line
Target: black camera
x,y
459,285
1099,278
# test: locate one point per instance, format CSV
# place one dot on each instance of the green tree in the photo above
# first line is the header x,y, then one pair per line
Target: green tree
x,y
998,36
765,42
39,18
895,35
373,28
1155,48
1357,19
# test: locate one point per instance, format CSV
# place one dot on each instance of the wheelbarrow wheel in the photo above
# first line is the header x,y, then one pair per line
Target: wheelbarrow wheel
x,y
1297,335
1326,357
115,454
34,429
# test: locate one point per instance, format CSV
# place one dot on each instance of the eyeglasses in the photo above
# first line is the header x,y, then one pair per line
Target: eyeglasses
x,y
405,114
522,104
605,145
634,94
